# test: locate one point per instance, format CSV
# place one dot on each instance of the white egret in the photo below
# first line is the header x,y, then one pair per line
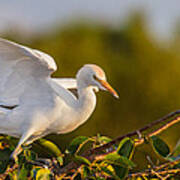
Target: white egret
x,y
32,104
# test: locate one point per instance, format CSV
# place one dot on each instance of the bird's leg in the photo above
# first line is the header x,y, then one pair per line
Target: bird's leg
x,y
15,153
22,141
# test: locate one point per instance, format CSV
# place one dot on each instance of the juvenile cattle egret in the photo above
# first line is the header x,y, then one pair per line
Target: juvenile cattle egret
x,y
32,104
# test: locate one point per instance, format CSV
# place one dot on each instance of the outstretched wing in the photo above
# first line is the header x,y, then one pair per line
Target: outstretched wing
x,y
20,67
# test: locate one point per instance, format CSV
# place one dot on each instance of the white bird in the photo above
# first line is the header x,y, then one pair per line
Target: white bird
x,y
32,104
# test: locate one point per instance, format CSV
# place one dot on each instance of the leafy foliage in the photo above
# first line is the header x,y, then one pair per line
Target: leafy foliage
x,y
76,143
160,146
115,163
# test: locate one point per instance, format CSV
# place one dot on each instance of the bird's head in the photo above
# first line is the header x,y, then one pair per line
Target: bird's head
x,y
93,75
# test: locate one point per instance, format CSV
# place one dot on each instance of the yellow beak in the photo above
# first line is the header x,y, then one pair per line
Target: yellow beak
x,y
108,87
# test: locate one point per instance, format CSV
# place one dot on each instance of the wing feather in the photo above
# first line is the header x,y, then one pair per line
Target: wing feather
x,y
21,68
67,83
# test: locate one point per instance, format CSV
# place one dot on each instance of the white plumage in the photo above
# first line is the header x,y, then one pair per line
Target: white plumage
x,y
32,104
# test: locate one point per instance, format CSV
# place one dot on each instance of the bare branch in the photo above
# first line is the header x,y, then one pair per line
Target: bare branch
x,y
9,170
160,170
136,132
93,152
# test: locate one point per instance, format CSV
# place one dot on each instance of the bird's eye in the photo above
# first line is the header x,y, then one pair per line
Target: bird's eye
x,y
94,76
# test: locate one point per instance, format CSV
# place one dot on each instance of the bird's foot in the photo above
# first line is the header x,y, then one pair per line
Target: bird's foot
x,y
45,163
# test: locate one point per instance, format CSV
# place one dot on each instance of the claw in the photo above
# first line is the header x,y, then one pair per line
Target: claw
x,y
15,153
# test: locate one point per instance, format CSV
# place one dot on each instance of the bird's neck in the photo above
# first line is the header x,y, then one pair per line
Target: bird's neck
x,y
86,102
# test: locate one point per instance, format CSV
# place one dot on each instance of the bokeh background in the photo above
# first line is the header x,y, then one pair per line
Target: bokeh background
x,y
136,42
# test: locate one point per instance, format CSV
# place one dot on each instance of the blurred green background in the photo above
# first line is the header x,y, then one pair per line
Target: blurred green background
x,y
144,70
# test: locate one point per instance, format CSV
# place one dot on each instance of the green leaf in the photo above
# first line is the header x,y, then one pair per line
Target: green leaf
x,y
29,155
116,159
60,160
120,171
41,174
103,139
23,173
86,171
107,171
160,147
50,146
75,144
126,148
81,160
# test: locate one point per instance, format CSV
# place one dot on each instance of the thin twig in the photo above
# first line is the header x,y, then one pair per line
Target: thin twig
x,y
159,169
159,130
136,132
152,172
141,140
9,170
